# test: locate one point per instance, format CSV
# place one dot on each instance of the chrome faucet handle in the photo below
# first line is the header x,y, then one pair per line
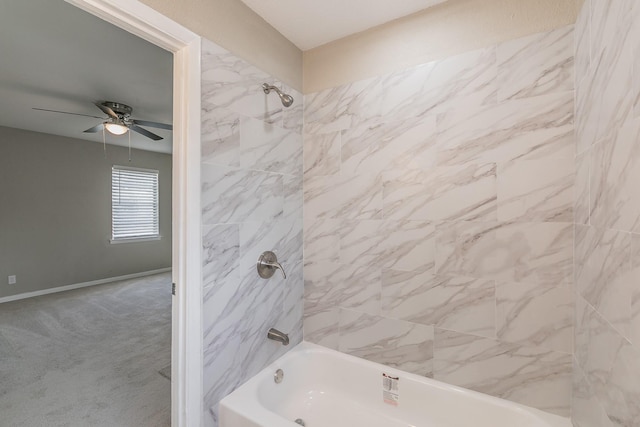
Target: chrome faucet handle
x,y
268,264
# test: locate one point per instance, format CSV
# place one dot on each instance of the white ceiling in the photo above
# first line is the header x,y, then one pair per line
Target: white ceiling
x,y
56,56
311,23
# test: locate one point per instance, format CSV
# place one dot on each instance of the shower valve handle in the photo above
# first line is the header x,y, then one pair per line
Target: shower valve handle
x,y
268,264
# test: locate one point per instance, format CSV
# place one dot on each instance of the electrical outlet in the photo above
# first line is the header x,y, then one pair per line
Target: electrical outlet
x,y
12,280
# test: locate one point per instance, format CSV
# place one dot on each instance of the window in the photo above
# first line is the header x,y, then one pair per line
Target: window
x,y
134,204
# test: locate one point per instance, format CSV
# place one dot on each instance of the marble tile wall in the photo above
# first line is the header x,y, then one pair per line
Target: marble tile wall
x,y
606,383
438,219
252,165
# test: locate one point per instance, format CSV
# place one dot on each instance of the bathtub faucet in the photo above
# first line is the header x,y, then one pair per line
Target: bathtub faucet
x,y
276,335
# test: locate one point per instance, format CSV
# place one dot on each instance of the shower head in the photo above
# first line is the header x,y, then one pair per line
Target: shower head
x,y
287,100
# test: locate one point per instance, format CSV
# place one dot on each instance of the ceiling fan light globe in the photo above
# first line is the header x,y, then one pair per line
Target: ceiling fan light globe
x,y
116,129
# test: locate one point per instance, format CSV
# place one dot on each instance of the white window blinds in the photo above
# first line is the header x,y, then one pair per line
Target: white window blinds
x,y
134,203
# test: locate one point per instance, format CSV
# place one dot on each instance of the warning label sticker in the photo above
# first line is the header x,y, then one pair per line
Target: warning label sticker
x,y
390,389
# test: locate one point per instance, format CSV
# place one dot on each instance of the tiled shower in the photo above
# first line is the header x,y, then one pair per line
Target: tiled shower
x,y
439,219
471,219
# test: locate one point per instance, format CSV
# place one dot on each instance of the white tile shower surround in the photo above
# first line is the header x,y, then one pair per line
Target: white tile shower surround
x,y
606,389
88,357
439,209
252,165
438,219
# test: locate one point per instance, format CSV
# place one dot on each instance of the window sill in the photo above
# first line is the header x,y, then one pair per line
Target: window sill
x,y
135,240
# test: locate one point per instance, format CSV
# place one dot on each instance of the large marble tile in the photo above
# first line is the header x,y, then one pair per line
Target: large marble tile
x,y
330,284
604,99
580,331
610,24
321,239
402,345
582,203
536,190
583,42
603,273
232,195
441,193
322,327
230,82
343,196
220,135
536,65
528,375
466,248
379,144
456,303
403,245
463,81
528,128
220,253
635,52
615,172
536,252
293,197
408,245
634,332
322,154
583,142
626,374
362,243
340,108
269,148
611,366
535,315
586,410
291,321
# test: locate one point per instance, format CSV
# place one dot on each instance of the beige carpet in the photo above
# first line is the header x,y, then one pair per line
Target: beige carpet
x,y
95,356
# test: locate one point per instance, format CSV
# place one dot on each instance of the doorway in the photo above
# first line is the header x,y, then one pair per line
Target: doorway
x,y
186,337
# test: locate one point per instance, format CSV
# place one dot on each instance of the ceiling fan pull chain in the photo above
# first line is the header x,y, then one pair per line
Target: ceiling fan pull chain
x,y
129,146
104,142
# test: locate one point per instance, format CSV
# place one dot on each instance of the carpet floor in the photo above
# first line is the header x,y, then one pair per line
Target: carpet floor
x,y
95,356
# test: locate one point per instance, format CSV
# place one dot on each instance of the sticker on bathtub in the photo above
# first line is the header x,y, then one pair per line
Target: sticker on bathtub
x,y
390,389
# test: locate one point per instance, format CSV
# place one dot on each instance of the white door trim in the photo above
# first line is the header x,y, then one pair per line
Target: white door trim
x,y
186,346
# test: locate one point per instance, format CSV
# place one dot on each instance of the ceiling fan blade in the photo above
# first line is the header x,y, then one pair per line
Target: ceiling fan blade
x,y
66,112
96,128
153,124
145,132
108,111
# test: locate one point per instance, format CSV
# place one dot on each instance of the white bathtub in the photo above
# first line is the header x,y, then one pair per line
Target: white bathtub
x,y
325,388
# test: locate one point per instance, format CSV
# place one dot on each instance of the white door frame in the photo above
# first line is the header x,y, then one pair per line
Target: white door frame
x,y
186,342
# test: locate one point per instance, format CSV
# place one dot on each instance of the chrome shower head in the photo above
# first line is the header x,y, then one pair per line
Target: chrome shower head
x,y
287,100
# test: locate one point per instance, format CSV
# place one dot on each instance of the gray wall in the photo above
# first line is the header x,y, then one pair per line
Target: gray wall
x,y
55,212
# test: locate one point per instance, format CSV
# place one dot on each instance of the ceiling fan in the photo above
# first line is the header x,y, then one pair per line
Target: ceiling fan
x,y
119,120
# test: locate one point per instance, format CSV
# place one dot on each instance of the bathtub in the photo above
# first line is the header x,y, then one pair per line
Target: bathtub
x,y
324,388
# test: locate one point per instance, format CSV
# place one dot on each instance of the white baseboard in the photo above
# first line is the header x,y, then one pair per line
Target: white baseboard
x,y
82,285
